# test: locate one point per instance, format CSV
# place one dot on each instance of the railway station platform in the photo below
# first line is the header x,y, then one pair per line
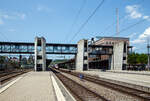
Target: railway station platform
x,y
140,80
33,86
130,72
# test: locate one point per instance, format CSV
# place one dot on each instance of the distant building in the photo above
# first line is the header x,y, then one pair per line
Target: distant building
x,y
14,59
24,60
30,60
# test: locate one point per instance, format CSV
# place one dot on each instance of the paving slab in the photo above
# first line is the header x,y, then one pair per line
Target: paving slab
x,y
35,86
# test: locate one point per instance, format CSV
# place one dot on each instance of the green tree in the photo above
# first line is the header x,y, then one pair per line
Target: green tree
x,y
143,59
2,59
132,58
136,58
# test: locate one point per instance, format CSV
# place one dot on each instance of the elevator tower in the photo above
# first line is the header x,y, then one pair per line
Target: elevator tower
x,y
40,54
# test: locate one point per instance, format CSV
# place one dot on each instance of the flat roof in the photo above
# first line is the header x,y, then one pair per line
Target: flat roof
x,y
115,38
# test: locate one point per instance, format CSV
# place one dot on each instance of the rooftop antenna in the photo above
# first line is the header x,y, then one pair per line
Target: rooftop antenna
x,y
117,24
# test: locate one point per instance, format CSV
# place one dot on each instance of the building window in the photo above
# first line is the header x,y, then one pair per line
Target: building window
x,y
85,49
85,44
124,58
39,57
85,67
125,48
85,57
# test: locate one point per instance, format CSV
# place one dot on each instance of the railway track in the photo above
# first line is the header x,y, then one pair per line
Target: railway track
x,y
2,74
6,76
142,95
80,92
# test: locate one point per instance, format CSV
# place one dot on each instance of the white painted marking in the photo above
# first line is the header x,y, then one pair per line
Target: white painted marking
x,y
8,85
59,94
66,89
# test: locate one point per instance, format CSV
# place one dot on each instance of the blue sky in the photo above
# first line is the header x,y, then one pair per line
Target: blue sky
x,y
22,20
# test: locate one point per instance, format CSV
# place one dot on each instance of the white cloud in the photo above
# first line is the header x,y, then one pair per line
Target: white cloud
x,y
134,48
133,12
137,41
43,8
21,15
145,17
132,35
142,37
6,15
11,16
39,8
11,30
145,34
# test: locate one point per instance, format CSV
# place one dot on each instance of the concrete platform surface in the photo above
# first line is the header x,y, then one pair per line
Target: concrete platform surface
x,y
35,86
130,72
142,80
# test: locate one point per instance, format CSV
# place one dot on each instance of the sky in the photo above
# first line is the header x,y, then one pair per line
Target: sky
x,y
59,20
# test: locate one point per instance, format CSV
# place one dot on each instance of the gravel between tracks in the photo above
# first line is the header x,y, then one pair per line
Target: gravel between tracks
x,y
78,91
103,91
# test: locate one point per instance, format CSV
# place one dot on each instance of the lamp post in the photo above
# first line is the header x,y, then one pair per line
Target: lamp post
x,y
148,47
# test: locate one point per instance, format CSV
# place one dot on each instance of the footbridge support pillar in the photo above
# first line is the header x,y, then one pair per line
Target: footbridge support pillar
x,y
40,54
119,56
82,55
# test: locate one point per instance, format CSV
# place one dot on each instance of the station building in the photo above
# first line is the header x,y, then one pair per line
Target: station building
x,y
106,61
